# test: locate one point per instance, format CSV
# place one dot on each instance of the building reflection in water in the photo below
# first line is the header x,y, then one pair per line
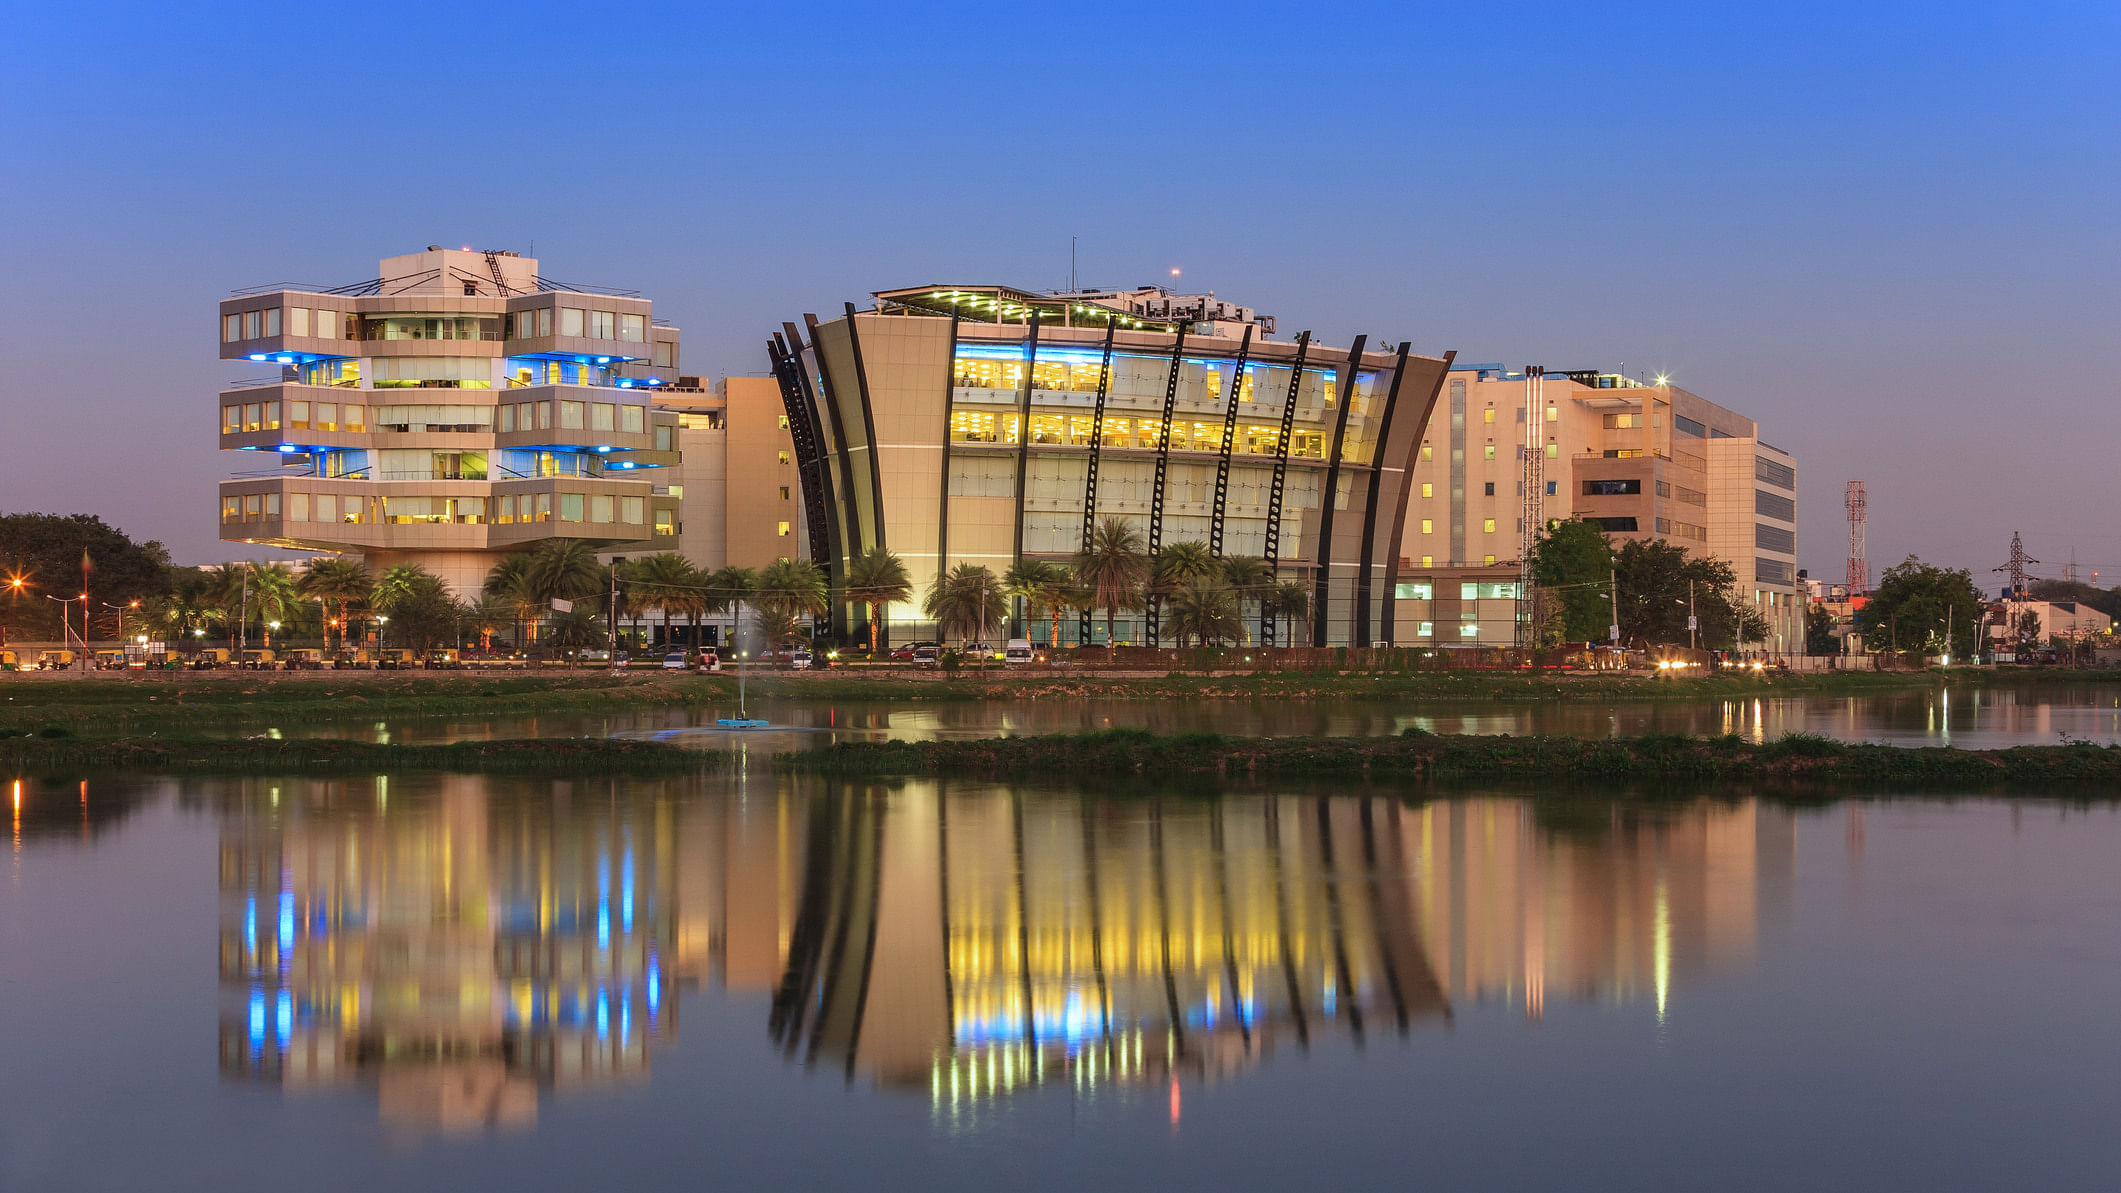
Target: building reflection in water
x,y
461,941
465,943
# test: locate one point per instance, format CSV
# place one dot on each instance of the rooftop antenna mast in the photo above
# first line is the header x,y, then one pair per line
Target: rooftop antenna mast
x,y
1532,513
1071,265
1859,574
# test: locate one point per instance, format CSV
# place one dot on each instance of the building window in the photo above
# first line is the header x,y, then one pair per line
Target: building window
x,y
1774,505
231,328
571,416
1553,414
1774,538
251,324
633,419
633,328
631,510
600,508
356,417
1488,415
1622,421
603,325
1427,489
600,416
298,321
571,321
1488,525
327,327
1488,560
544,510
784,492
1425,630
783,457
570,507
1490,490
781,529
784,422
662,439
1428,526
1553,451
666,354
1427,452
1773,571
665,522
507,514
1687,426
1612,488
272,321
231,419
1775,473
508,418
1550,488
1421,590
1488,452
231,509
1613,525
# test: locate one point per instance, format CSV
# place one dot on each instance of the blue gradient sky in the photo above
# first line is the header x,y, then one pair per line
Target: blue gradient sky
x,y
1887,234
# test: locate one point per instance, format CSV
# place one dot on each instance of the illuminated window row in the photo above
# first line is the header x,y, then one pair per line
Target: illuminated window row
x,y
301,416
980,426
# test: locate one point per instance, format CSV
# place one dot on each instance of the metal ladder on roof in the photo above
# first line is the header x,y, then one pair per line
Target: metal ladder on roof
x,y
493,266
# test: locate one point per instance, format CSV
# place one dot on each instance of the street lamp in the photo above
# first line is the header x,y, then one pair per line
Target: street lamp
x,y
270,627
382,628
66,625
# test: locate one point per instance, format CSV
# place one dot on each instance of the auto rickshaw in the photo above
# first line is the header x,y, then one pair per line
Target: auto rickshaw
x,y
304,658
54,660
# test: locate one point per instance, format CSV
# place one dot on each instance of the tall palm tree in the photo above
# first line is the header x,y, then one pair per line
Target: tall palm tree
x,y
876,578
1250,579
1292,601
488,617
274,594
1206,609
573,630
779,627
1113,569
967,600
662,582
336,581
1182,563
511,581
565,569
792,586
400,585
727,590
1041,584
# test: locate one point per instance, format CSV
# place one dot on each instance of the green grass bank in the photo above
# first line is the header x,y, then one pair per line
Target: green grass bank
x,y
557,757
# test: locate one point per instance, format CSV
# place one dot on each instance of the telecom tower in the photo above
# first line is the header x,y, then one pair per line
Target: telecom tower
x,y
1532,511
1859,577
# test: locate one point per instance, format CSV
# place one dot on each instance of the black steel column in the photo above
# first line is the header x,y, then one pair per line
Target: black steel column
x,y
810,470
1359,631
849,510
1084,627
1319,583
1156,501
876,468
942,506
1271,552
1223,449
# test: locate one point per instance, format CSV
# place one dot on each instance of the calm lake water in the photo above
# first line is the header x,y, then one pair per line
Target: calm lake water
x,y
1967,717
457,983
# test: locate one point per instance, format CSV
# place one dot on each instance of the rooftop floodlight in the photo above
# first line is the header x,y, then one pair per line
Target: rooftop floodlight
x,y
1663,379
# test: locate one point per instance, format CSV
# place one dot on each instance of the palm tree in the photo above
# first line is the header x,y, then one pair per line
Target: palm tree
x,y
1251,579
663,582
876,578
727,589
510,580
1113,569
967,600
1289,600
1041,584
778,627
1205,609
564,569
402,584
190,606
1183,563
273,593
573,630
336,581
792,586
488,616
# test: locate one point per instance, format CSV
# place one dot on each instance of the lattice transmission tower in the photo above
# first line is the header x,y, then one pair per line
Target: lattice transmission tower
x,y
1859,575
1532,509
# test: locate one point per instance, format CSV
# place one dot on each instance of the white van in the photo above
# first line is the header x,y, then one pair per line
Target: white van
x,y
1017,652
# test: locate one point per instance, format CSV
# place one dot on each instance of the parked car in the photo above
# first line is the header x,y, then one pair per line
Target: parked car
x,y
674,661
904,654
710,660
1018,652
978,651
927,656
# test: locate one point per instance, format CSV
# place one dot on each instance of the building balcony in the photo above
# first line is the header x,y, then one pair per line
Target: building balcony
x,y
317,513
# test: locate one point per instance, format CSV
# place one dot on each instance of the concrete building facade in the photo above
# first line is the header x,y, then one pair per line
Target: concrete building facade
x,y
1642,461
457,407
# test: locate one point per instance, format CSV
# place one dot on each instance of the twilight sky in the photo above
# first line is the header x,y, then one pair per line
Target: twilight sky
x,y
1887,232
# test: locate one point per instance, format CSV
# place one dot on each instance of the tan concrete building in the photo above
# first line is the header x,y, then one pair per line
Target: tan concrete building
x,y
1642,461
987,424
454,408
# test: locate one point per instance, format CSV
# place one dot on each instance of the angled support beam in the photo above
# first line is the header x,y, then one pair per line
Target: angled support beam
x,y
1229,440
1163,469
1097,444
1271,549
1321,587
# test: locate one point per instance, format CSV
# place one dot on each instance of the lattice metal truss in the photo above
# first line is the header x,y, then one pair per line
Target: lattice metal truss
x,y
1229,441
1271,547
1153,614
1097,444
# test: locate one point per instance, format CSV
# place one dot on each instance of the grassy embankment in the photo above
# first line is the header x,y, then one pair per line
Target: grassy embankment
x,y
557,757
2086,771
160,704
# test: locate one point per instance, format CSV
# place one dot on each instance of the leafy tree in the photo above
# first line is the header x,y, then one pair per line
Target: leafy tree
x,y
966,601
1819,631
573,631
1572,561
1659,580
510,580
2027,628
1908,608
1113,570
876,578
422,612
489,617
1205,609
44,551
1042,584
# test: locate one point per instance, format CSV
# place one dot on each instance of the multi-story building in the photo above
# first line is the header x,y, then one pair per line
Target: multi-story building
x,y
1639,460
454,408
983,424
